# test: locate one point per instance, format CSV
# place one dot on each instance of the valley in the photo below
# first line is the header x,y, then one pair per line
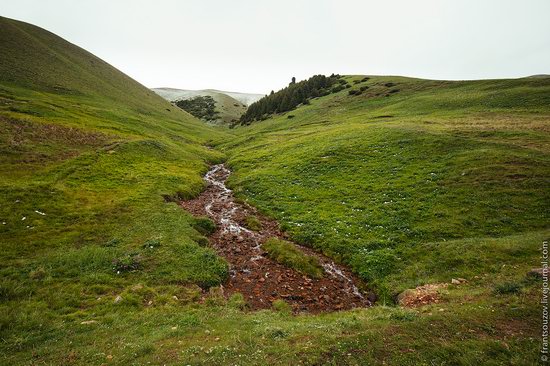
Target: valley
x,y
134,233
229,106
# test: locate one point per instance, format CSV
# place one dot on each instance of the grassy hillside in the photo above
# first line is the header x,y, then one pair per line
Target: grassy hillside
x,y
414,182
229,108
367,178
87,156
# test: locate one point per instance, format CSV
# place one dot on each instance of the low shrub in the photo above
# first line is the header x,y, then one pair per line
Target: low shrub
x,y
375,264
127,263
276,333
151,244
201,240
337,88
507,288
403,316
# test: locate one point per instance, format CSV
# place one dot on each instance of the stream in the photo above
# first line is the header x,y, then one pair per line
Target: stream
x,y
260,279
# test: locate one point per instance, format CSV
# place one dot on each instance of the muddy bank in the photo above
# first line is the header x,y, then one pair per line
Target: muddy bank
x,y
260,279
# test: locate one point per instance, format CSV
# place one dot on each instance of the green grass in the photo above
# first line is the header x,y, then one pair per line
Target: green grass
x,y
438,180
88,156
253,223
368,190
287,254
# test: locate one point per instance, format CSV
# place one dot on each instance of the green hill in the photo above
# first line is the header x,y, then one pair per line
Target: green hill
x,y
410,182
229,106
405,162
88,157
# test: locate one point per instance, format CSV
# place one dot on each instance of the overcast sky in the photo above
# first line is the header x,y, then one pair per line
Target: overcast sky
x,y
258,45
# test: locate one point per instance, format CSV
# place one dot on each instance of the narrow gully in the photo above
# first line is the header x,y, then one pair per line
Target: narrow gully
x,y
260,279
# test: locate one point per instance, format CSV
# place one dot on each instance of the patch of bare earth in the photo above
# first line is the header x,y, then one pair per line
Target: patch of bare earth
x,y
260,279
421,295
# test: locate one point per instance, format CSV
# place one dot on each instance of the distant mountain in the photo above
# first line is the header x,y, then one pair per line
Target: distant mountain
x,y
229,105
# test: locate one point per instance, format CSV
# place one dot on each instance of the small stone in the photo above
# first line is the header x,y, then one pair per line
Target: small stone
x,y
86,322
454,281
118,299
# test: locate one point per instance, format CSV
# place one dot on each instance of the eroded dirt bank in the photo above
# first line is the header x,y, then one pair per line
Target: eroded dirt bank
x,y
260,279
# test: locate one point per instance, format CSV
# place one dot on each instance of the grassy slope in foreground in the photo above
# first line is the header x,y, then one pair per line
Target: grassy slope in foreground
x,y
87,154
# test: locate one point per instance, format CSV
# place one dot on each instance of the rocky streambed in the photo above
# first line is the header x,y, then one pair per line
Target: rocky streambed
x,y
260,279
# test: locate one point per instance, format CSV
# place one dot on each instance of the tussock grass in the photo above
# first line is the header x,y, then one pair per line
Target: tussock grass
x,y
287,254
253,223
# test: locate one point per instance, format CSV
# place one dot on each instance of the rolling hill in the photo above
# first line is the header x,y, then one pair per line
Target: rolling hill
x,y
412,183
89,157
432,192
229,105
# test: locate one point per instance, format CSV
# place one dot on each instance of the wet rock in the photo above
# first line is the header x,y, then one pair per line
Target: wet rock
x,y
87,322
458,281
371,296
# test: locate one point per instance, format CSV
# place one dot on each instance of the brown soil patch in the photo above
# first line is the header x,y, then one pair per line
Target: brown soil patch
x,y
422,295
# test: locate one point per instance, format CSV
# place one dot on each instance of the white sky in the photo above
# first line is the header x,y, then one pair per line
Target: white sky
x,y
256,46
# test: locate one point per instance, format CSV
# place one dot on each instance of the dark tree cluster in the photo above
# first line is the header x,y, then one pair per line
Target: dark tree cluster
x,y
294,94
203,107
